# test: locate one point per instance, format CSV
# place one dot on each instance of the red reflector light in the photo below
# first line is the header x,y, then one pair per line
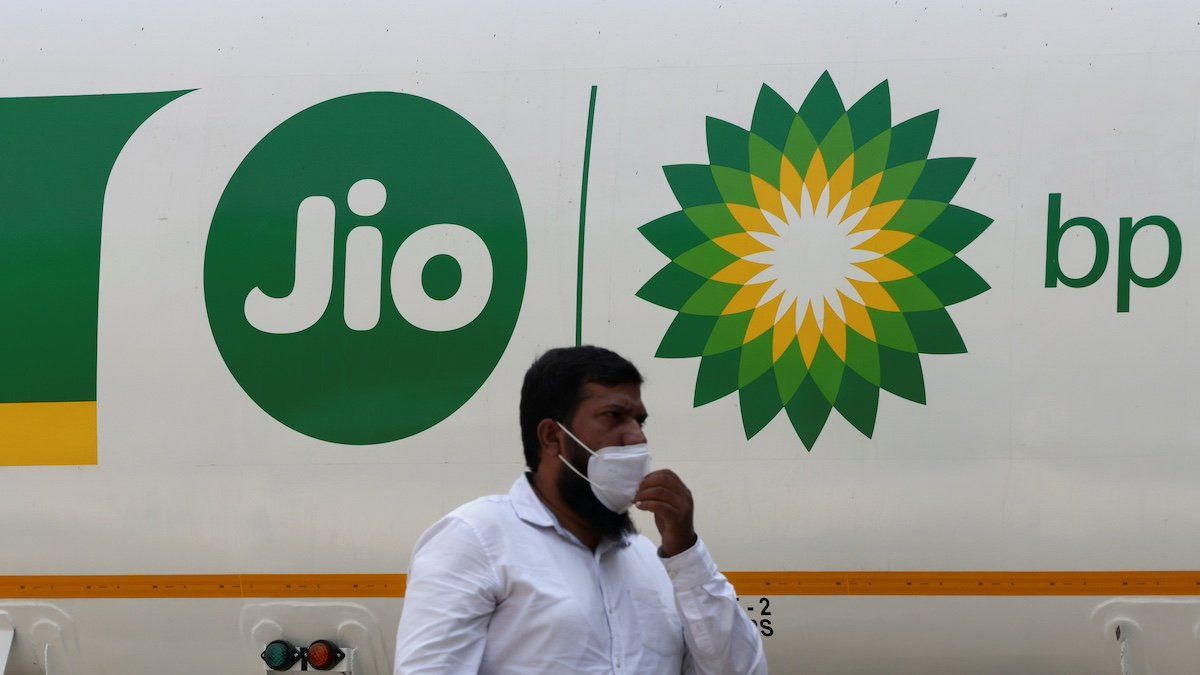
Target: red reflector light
x,y
324,655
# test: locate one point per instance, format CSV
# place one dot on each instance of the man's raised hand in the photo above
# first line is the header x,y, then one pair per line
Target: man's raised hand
x,y
664,494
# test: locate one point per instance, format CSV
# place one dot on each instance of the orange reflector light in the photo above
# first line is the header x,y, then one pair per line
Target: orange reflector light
x,y
324,655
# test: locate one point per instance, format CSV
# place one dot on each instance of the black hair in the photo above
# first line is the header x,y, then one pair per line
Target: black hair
x,y
553,387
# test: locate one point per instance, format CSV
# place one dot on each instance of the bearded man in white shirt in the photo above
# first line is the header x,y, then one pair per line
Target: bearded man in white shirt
x,y
553,576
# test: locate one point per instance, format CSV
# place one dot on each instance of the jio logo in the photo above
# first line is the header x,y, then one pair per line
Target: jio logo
x,y
365,267
313,287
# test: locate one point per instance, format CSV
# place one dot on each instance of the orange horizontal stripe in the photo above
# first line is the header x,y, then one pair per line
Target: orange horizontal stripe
x,y
966,583
746,583
205,586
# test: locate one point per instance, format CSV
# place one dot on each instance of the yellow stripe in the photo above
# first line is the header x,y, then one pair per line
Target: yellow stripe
x,y
952,584
41,434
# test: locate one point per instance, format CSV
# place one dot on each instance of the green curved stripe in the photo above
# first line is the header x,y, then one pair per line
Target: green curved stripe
x,y
56,154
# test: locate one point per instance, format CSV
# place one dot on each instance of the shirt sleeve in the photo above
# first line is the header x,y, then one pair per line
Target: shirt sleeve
x,y
450,597
720,638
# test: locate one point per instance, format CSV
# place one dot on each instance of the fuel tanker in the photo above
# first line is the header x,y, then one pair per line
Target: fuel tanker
x,y
913,287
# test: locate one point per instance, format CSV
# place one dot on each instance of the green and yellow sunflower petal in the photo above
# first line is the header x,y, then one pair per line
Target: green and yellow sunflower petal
x,y
954,281
711,298
706,259
736,186
728,334
858,402
759,402
673,234
876,297
920,255
773,118
912,295
693,184
956,227
837,145
717,377
941,178
713,220
898,181
765,160
900,374
891,330
871,158
756,359
826,371
870,116
790,371
822,107
862,356
671,287
686,336
911,139
808,410
935,333
728,144
801,145
915,215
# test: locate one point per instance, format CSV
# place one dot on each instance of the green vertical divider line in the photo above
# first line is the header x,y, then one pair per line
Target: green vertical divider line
x,y
587,159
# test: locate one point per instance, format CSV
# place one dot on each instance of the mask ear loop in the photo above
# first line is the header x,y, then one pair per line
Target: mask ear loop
x,y
572,466
574,438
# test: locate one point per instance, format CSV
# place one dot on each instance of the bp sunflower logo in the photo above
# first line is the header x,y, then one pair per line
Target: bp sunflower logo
x,y
813,258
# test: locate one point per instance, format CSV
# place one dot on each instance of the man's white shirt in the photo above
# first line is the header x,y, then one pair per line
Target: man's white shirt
x,y
498,586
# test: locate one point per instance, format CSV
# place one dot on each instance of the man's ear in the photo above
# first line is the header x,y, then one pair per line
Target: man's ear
x,y
548,435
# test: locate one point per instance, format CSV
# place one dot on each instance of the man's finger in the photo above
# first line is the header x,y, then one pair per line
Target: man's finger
x,y
658,507
661,494
665,478
662,476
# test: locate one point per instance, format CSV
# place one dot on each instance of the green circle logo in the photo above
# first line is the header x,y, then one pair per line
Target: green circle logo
x,y
365,267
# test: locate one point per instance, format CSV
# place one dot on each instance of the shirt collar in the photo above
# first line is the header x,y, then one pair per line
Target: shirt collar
x,y
528,505
530,508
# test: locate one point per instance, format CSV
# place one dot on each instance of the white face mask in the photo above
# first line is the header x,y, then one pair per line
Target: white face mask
x,y
614,472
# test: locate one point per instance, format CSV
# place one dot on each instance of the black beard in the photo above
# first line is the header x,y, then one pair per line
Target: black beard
x,y
577,494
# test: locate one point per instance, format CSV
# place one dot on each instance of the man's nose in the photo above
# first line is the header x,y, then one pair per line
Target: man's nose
x,y
633,435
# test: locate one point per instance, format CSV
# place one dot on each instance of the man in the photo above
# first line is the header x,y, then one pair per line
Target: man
x,y
553,577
